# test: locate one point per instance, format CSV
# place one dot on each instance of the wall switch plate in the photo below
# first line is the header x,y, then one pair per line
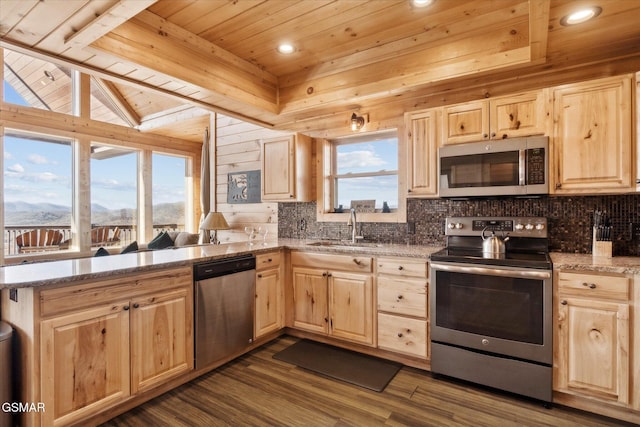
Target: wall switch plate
x,y
13,294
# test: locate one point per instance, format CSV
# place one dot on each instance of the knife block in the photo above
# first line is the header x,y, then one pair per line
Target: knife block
x,y
601,248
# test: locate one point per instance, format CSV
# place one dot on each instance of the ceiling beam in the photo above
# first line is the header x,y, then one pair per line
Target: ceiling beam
x,y
538,28
119,104
155,43
117,14
172,116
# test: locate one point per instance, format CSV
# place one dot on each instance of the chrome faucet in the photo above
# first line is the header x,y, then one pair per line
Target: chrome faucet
x,y
353,222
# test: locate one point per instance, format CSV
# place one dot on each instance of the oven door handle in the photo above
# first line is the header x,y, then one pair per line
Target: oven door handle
x,y
525,273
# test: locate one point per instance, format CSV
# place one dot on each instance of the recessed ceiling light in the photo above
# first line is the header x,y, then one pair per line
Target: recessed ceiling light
x,y
286,48
580,16
421,3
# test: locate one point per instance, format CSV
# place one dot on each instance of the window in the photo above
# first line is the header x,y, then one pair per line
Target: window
x,y
170,185
36,83
37,192
362,172
114,195
366,170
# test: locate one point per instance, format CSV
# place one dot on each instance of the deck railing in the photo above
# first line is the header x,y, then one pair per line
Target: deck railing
x,y
128,233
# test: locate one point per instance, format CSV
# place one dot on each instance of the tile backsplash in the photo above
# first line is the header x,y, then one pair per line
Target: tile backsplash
x,y
570,221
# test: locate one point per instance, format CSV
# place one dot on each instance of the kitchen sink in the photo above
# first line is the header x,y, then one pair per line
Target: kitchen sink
x,y
344,244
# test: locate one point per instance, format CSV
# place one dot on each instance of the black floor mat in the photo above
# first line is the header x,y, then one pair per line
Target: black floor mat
x,y
359,369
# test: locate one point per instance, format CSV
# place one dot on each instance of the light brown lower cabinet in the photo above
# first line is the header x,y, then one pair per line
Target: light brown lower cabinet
x,y
593,337
403,325
269,304
90,346
332,302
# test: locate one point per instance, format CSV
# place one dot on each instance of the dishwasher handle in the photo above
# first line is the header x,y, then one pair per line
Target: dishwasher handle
x,y
223,267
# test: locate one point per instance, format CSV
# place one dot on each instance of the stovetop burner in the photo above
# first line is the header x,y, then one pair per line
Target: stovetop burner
x,y
527,246
540,260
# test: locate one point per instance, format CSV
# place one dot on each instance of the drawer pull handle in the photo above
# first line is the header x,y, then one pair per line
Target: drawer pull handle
x,y
357,261
589,285
563,302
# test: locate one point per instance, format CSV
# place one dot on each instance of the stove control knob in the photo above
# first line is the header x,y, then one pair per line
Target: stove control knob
x,y
451,226
458,225
539,227
519,226
529,226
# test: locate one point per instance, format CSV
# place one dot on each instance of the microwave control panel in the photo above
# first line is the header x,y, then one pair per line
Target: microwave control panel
x,y
535,166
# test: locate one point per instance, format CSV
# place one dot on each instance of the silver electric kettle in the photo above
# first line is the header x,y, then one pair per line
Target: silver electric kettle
x,y
493,246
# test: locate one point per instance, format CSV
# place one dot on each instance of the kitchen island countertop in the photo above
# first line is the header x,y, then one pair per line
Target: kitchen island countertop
x,y
67,271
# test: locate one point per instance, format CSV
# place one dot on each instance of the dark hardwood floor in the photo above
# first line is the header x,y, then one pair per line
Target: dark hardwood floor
x,y
257,390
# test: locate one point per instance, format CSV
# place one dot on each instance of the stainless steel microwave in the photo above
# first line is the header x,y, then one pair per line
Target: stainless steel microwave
x,y
518,167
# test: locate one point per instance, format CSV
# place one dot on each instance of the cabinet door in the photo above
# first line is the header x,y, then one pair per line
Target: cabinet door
x,y
423,153
519,115
351,306
161,337
310,310
278,169
593,349
268,308
593,148
85,362
467,122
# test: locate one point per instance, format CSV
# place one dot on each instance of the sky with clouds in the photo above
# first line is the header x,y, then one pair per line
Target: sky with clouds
x,y
36,171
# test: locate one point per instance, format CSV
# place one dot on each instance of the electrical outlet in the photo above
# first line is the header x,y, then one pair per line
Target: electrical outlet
x,y
411,228
13,294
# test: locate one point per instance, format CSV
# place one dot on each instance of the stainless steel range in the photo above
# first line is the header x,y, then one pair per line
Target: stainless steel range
x,y
491,304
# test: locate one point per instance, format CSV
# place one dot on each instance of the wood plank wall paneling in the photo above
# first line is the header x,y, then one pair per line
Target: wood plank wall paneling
x,y
237,146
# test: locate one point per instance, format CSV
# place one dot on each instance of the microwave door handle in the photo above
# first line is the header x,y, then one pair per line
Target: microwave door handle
x,y
522,162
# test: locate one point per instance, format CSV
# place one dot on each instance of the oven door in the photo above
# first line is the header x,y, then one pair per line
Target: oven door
x,y
500,310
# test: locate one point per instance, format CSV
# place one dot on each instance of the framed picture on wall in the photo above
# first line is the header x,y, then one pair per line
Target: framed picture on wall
x,y
243,187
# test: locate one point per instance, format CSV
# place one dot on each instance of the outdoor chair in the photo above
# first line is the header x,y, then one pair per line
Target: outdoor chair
x,y
39,240
105,236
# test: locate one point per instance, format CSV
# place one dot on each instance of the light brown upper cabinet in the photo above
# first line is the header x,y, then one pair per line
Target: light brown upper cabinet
x,y
286,169
499,118
422,137
592,138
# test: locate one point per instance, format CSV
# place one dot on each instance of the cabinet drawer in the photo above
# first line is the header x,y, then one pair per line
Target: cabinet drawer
x,y
594,285
403,296
269,260
332,261
402,267
59,300
402,335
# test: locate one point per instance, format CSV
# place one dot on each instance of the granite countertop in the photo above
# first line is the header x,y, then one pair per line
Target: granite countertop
x,y
622,265
68,271
72,270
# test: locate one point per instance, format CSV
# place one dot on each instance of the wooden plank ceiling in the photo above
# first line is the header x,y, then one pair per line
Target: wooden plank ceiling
x,y
159,58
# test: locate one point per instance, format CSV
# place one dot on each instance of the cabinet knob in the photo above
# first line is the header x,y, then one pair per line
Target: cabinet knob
x,y
324,274
125,308
328,274
589,285
493,134
484,135
269,260
401,268
399,334
399,296
357,261
259,276
563,302
136,305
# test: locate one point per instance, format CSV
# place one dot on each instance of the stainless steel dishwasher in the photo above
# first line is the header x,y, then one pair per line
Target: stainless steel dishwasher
x,y
224,297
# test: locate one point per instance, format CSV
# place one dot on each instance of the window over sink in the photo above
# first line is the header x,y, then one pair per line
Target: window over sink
x,y
362,172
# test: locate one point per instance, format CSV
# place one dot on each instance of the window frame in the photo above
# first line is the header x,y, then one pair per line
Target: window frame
x,y
326,155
